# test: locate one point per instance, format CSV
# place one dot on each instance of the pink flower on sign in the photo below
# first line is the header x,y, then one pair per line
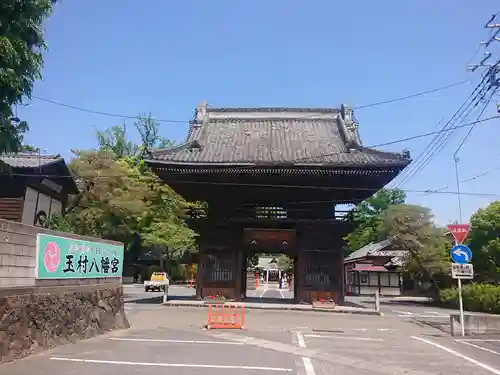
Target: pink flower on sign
x,y
51,257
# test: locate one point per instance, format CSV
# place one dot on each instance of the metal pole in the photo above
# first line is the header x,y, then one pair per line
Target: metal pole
x,y
457,177
377,301
461,303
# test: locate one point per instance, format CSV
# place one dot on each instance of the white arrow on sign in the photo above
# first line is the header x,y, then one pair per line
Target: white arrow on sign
x,y
460,252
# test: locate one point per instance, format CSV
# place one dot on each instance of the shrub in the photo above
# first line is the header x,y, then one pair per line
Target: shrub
x,y
476,297
177,272
151,269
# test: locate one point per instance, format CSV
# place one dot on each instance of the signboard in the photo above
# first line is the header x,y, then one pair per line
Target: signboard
x,y
67,258
461,254
459,232
269,237
462,271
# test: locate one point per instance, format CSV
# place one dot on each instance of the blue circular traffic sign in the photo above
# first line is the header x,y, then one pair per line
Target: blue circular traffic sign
x,y
461,254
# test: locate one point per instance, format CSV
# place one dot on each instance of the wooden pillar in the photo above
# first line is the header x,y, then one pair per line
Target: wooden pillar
x,y
200,274
238,268
299,278
342,276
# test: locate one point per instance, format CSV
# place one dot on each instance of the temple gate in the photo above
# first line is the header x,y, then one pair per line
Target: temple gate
x,y
274,180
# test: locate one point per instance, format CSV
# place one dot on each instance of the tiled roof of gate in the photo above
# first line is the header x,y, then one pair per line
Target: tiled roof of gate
x,y
272,135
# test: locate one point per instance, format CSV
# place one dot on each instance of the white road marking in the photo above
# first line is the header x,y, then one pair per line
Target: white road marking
x,y
300,340
360,329
344,337
264,292
403,312
479,347
460,355
282,296
434,312
229,367
178,341
479,340
308,366
424,316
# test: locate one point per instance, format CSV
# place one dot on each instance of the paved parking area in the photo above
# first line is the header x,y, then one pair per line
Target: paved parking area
x,y
171,340
144,351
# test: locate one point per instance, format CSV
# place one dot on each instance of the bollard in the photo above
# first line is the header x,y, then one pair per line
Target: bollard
x,y
165,293
377,301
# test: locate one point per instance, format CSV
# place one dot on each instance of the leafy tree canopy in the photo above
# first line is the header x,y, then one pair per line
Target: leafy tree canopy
x,y
116,139
484,241
21,46
410,227
121,199
366,217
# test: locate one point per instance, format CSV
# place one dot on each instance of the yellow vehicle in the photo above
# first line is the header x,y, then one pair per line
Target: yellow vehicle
x,y
158,282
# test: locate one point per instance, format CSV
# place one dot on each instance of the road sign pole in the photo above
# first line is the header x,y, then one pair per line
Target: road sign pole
x,y
461,304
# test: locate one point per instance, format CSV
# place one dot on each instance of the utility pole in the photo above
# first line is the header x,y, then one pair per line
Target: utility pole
x,y
493,69
493,73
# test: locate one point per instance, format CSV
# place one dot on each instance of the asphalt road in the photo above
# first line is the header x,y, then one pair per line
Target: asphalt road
x,y
171,340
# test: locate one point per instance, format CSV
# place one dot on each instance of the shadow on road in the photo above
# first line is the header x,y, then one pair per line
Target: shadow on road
x,y
400,303
148,300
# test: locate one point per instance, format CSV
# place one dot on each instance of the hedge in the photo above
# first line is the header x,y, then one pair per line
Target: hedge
x,y
476,297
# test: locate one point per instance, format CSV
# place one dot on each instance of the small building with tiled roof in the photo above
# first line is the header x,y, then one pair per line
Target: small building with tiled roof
x,y
376,266
33,186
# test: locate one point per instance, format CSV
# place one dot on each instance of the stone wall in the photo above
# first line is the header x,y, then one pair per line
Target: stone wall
x,y
39,314
33,319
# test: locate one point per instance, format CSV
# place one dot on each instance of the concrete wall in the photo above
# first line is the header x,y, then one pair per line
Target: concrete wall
x,y
17,256
39,314
475,324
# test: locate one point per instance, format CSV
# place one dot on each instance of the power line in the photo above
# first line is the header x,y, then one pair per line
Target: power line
x,y
438,142
81,109
473,178
401,140
413,95
284,186
110,114
473,126
440,139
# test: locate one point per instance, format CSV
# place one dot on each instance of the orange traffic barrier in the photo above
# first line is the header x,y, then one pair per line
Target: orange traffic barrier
x,y
225,316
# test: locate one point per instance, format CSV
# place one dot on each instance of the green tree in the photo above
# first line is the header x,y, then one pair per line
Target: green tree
x,y
116,139
21,46
410,227
484,241
285,263
120,200
366,217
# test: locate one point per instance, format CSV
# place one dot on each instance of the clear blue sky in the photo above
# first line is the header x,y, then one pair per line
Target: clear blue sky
x,y
164,57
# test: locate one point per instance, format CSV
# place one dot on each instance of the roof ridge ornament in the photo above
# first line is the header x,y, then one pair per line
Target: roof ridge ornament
x,y
201,113
348,127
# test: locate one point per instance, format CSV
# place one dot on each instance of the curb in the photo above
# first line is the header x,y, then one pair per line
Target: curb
x,y
286,308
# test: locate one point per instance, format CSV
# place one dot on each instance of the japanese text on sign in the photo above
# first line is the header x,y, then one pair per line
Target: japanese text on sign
x,y
462,271
66,258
